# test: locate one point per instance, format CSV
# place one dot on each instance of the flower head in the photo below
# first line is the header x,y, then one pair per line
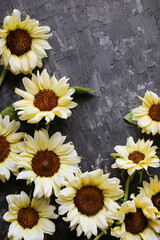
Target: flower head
x,y
45,97
9,146
147,115
22,43
152,191
88,198
29,219
135,156
47,162
137,219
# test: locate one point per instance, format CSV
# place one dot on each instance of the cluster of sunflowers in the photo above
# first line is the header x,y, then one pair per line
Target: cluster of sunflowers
x,y
90,201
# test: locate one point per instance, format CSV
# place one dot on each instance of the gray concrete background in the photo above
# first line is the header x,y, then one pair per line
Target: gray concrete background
x,y
108,45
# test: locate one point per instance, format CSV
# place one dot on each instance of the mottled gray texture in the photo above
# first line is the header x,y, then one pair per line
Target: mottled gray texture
x,y
108,45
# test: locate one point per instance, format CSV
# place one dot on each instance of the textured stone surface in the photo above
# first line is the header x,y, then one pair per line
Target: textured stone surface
x,y
108,45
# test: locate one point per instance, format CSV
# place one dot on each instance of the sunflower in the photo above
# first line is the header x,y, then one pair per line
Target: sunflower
x,y
22,43
152,191
147,115
88,199
47,162
135,156
9,146
137,220
29,218
45,97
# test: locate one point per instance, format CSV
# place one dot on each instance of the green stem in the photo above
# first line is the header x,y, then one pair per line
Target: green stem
x,y
129,179
45,236
30,196
3,75
5,230
47,127
99,236
6,237
37,125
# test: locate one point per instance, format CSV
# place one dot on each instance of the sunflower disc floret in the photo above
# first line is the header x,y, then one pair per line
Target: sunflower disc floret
x,y
135,156
147,115
89,201
137,220
22,43
47,162
44,97
29,218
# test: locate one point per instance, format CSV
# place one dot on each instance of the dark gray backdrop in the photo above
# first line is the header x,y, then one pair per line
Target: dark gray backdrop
x,y
108,45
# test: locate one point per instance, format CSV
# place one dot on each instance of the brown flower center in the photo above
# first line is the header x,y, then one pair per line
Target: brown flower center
x,y
19,42
89,200
156,200
4,148
154,112
136,156
28,217
45,163
45,100
135,222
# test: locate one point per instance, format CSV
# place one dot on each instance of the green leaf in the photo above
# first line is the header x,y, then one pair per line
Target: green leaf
x,y
128,118
118,223
80,90
11,112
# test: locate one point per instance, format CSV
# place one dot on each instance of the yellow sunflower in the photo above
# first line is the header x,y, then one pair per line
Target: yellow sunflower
x,y
10,145
44,97
147,115
89,199
22,43
135,156
137,219
29,219
47,162
152,191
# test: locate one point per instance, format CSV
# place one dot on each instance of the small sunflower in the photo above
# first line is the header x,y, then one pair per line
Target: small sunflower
x,y
47,162
45,97
152,191
9,146
135,156
147,115
88,199
22,43
137,219
29,219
